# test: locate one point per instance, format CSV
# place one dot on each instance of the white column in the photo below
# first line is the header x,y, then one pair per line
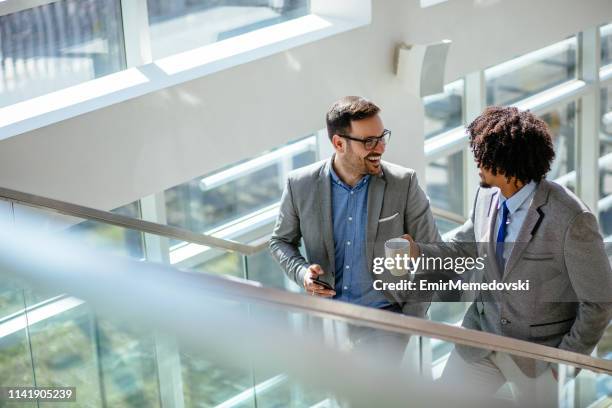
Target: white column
x,y
587,170
474,102
135,18
153,208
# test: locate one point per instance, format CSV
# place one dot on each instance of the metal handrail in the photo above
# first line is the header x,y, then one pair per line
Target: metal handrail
x,y
88,213
379,319
448,215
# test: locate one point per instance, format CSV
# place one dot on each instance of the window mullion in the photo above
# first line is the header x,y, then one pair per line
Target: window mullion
x,y
475,102
136,37
589,119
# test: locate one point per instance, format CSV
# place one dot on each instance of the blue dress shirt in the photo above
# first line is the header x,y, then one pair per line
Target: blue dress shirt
x,y
518,205
350,215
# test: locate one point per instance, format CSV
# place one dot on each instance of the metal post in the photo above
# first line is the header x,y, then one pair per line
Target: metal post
x,y
157,249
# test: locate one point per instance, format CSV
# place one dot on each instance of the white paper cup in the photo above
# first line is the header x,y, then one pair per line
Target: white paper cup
x,y
395,247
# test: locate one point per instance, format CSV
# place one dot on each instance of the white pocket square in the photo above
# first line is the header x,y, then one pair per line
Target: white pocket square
x,y
388,218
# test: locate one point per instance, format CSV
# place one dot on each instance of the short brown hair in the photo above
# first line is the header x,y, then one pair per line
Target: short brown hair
x,y
512,142
345,110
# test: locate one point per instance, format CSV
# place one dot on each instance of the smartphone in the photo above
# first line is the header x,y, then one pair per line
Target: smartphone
x,y
324,284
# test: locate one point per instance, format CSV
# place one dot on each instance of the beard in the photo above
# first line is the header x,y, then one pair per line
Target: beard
x,y
364,166
484,184
371,168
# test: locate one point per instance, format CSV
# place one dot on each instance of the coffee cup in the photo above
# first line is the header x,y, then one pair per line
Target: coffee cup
x,y
398,249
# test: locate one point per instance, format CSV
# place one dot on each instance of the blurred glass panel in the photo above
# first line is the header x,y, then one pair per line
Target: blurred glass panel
x,y
444,111
605,163
283,390
57,45
449,313
490,380
606,44
240,189
64,348
445,183
181,25
276,389
206,382
562,124
236,348
127,365
531,73
15,357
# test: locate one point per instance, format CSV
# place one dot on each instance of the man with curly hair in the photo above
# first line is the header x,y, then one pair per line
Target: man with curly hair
x,y
528,229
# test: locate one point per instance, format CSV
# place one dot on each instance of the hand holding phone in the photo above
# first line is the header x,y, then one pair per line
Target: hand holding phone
x,y
314,286
322,283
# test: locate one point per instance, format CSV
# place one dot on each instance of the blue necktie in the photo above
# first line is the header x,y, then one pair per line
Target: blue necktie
x,y
501,236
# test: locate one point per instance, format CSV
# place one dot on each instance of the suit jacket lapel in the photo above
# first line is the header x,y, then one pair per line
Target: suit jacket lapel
x,y
376,191
533,219
325,204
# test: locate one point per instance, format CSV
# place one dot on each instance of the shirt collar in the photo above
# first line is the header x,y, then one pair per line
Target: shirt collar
x,y
364,180
518,199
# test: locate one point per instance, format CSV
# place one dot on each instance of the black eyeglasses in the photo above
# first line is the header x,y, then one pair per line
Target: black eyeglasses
x,y
371,142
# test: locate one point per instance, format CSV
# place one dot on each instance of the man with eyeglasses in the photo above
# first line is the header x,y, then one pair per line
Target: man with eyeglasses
x,y
345,208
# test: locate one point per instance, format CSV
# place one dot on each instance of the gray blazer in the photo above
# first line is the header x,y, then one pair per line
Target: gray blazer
x,y
396,206
560,251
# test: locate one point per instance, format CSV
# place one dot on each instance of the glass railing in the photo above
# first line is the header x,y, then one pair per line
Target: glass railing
x,y
123,232
49,336
133,334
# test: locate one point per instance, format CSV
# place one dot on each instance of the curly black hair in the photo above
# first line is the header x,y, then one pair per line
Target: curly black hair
x,y
512,143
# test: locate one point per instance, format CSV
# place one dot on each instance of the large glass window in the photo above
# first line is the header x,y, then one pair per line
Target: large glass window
x,y
178,26
562,124
445,188
121,241
529,74
58,45
238,190
444,111
606,44
605,163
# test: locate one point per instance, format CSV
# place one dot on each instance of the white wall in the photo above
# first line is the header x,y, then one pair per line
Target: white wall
x,y
115,155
